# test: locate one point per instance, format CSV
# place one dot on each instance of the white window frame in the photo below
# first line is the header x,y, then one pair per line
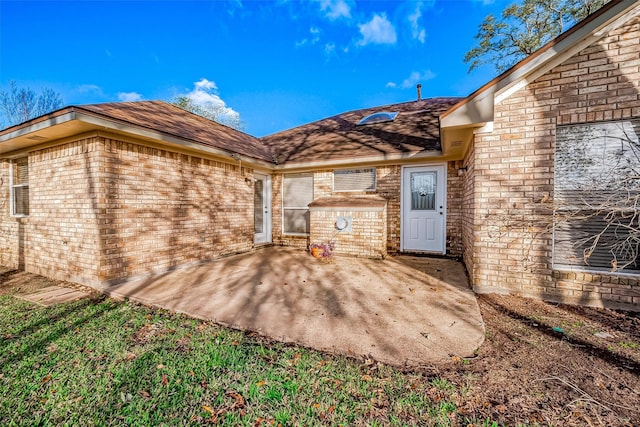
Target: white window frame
x,y
284,208
13,186
355,170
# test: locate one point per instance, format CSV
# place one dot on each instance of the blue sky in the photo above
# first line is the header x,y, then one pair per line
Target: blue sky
x,y
277,64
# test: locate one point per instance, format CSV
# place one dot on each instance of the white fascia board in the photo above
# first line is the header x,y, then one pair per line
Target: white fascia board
x,y
373,160
486,128
159,136
475,111
345,208
44,124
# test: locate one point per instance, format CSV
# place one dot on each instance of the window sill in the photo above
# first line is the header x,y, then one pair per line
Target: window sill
x,y
559,271
355,191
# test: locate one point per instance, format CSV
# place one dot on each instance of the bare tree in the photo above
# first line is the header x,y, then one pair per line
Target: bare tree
x,y
19,104
594,214
598,192
523,28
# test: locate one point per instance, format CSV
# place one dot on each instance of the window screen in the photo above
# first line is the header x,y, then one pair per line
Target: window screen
x,y
20,187
297,193
354,180
597,196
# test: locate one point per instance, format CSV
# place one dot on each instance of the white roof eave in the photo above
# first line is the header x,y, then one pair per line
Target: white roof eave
x,y
103,124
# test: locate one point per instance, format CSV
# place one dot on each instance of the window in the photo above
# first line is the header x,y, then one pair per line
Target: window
x,y
19,175
354,180
597,197
381,117
423,191
297,193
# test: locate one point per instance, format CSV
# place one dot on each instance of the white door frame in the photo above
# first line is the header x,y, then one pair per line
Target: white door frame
x,y
265,236
443,167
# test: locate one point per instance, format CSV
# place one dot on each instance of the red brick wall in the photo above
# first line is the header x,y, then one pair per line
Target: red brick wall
x,y
467,209
368,235
165,209
512,179
62,234
455,205
103,210
60,237
388,179
388,186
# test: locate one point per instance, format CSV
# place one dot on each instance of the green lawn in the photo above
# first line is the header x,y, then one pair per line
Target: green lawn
x,y
102,362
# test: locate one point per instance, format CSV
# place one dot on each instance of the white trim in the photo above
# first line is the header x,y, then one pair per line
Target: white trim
x,y
346,209
608,273
360,162
11,202
486,128
501,96
166,137
21,131
12,207
267,217
102,124
444,205
13,212
282,208
355,170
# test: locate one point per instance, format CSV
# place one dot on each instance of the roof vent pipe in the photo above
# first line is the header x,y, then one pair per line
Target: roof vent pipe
x,y
419,88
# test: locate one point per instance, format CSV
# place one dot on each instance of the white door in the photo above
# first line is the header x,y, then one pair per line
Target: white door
x,y
423,208
262,208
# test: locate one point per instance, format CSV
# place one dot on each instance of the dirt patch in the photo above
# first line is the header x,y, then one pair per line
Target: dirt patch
x,y
552,364
148,333
17,282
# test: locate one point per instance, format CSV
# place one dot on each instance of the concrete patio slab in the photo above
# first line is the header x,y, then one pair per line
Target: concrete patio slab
x,y
402,310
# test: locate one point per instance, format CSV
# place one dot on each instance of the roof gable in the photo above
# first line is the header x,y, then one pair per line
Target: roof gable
x,y
477,108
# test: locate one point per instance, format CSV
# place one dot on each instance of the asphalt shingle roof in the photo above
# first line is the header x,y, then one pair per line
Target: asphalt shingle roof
x,y
415,129
166,118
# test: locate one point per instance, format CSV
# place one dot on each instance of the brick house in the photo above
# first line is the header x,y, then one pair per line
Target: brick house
x,y
553,150
511,179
